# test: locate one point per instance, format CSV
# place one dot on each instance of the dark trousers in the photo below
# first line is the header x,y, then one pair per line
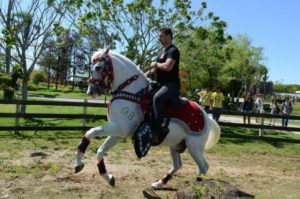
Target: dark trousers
x,y
166,92
285,119
206,109
216,113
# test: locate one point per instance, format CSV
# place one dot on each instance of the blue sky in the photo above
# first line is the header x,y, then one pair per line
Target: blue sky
x,y
271,24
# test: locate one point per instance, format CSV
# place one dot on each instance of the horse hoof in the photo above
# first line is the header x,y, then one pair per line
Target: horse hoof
x,y
79,168
157,185
112,181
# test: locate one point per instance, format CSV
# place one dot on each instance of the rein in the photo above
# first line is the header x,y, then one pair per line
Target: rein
x,y
124,84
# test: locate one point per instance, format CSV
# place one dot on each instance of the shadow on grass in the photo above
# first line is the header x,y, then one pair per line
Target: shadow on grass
x,y
242,136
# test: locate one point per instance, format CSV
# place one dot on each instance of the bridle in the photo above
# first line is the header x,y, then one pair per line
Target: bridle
x,y
108,75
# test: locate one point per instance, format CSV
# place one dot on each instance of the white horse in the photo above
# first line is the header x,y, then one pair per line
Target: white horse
x,y
113,70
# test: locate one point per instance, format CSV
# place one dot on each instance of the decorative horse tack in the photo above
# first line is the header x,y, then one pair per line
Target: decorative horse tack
x,y
126,115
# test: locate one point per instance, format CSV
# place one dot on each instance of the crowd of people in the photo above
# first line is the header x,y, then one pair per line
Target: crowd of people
x,y
256,104
213,101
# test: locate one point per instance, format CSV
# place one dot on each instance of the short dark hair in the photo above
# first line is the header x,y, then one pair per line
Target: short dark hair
x,y
167,31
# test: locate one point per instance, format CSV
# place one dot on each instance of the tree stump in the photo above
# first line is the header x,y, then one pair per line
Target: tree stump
x,y
210,188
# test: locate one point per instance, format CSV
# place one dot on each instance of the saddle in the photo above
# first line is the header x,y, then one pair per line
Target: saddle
x,y
183,109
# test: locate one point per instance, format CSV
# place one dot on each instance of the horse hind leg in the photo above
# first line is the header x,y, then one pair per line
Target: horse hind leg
x,y
196,146
176,160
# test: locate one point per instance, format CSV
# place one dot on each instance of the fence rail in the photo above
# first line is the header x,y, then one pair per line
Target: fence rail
x,y
84,116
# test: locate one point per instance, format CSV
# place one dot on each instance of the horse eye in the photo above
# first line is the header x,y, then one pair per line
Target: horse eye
x,y
97,68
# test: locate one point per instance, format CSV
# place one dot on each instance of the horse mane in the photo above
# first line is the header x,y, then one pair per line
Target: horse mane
x,y
100,52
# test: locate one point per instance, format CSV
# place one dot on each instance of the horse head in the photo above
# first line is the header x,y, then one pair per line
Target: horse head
x,y
101,72
115,72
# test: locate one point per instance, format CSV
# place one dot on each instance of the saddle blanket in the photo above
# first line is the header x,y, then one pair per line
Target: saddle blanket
x,y
190,113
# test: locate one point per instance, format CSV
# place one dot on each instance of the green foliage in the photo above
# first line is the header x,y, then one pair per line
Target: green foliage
x,y
286,88
8,93
5,80
31,87
243,64
38,77
202,53
133,25
8,82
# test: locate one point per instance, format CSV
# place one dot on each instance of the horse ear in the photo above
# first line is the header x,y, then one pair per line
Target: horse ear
x,y
106,51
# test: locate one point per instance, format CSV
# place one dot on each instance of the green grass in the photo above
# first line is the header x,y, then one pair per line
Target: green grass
x,y
53,121
61,91
61,94
253,146
296,109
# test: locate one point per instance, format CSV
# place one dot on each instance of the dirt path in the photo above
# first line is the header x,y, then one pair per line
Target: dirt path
x,y
48,173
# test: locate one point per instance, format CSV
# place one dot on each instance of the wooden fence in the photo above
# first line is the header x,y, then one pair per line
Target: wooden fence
x,y
84,116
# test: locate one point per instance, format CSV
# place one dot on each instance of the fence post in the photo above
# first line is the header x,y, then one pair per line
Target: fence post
x,y
262,123
17,120
84,113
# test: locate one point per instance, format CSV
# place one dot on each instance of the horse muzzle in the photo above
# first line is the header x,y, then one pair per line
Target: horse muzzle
x,y
93,90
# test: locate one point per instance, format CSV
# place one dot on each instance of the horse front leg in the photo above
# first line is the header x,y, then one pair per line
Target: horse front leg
x,y
176,160
107,145
111,129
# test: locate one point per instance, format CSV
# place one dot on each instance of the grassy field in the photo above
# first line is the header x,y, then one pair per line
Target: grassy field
x,y
51,109
39,165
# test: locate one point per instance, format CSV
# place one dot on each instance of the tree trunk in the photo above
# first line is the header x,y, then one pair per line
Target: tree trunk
x,y
49,76
8,28
24,92
56,79
7,59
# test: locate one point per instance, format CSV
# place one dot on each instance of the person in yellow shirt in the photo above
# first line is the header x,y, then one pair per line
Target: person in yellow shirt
x,y
217,99
205,99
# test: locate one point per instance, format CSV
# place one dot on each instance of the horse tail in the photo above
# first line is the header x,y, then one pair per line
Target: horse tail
x,y
214,133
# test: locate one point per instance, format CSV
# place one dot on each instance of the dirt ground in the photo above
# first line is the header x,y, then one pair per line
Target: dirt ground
x,y
48,173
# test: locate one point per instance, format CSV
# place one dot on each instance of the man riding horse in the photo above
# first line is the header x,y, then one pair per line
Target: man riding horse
x,y
166,69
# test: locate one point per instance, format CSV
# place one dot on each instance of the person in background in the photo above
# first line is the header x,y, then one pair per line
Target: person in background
x,y
217,99
200,93
248,106
259,105
274,110
286,111
206,99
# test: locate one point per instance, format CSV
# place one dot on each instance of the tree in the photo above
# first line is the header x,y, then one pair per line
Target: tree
x,y
6,23
133,26
62,55
48,59
203,53
245,63
30,29
38,77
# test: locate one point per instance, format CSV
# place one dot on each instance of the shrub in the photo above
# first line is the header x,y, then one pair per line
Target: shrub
x,y
67,89
38,77
31,87
8,93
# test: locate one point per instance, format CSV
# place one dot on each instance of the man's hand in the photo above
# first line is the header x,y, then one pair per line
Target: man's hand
x,y
153,65
152,70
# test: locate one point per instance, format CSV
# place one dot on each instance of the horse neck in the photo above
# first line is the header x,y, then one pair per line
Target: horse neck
x,y
124,70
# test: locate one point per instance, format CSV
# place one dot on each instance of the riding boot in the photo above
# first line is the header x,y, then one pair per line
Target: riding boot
x,y
158,135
